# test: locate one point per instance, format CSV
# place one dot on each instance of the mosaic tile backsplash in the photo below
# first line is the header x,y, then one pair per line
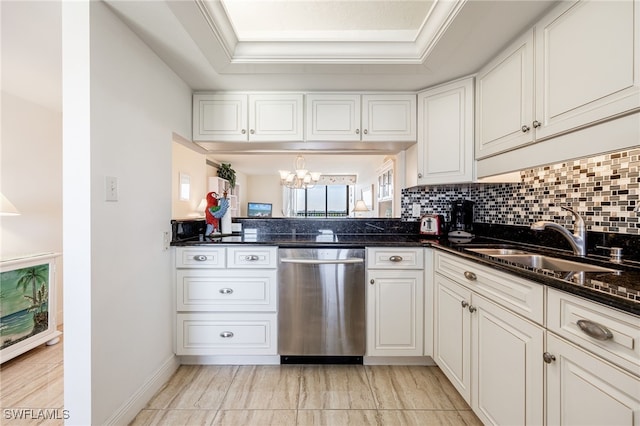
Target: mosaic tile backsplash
x,y
604,190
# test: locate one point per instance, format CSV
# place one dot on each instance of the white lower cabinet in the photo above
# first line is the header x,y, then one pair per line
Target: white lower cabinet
x,y
226,307
506,365
452,335
395,297
583,389
593,370
226,334
491,355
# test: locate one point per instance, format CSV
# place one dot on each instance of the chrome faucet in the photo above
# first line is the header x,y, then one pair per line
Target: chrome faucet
x,y
578,239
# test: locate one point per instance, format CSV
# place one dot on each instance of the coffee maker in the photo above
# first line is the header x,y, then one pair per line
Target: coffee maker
x,y
461,225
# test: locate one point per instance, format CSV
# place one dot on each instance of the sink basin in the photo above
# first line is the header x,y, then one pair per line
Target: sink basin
x,y
551,263
498,251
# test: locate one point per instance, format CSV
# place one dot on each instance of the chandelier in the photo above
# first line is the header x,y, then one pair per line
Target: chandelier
x,y
300,178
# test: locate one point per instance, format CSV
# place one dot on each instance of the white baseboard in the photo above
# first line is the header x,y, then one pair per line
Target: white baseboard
x,y
398,360
230,360
128,411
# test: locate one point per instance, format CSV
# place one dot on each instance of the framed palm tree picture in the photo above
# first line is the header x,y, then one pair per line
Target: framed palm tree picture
x,y
27,304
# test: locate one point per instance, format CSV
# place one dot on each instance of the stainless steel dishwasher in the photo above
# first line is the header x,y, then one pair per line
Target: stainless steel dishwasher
x,y
321,313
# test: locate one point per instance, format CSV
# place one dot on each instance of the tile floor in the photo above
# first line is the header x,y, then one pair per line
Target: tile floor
x,y
307,395
33,380
257,395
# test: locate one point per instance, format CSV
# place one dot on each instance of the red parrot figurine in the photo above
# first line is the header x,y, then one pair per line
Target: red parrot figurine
x,y
216,208
212,222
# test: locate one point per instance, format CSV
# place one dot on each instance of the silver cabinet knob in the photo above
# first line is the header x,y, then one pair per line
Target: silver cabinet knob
x,y
525,128
472,308
395,258
199,257
357,131
419,175
470,276
548,358
226,334
226,290
243,131
464,304
252,131
365,131
595,330
536,124
372,281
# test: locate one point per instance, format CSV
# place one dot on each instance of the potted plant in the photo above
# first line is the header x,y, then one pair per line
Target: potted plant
x,y
226,172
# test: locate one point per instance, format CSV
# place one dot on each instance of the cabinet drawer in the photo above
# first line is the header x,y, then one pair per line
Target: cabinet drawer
x,y
201,290
252,257
517,294
200,257
226,334
395,258
622,343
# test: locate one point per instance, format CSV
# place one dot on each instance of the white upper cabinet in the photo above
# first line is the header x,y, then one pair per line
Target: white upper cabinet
x,y
587,64
220,117
504,99
368,117
388,117
333,117
578,66
276,117
242,117
445,133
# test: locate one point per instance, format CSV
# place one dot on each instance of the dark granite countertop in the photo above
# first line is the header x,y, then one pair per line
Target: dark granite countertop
x,y
308,240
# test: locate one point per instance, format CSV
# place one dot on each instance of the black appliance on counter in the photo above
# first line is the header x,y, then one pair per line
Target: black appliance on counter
x,y
461,225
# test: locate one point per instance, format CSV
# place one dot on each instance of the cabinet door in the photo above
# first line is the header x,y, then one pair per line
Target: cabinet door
x,y
333,117
389,118
394,313
445,134
507,365
452,334
275,117
220,117
583,389
504,100
587,64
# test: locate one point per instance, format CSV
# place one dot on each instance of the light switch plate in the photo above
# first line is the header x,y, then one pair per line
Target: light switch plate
x,y
111,188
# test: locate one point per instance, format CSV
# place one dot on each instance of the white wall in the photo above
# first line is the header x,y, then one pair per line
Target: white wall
x,y
121,105
194,164
264,189
31,178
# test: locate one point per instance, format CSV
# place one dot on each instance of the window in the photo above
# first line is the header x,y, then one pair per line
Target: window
x,y
322,201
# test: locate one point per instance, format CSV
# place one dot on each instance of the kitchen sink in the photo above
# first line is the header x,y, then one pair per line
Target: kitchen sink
x,y
550,263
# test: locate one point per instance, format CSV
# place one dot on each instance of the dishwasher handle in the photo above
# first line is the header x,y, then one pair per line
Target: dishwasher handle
x,y
351,260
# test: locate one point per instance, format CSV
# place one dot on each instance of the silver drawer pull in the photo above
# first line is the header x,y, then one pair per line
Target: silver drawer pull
x,y
470,276
226,334
595,330
226,290
251,258
199,257
395,259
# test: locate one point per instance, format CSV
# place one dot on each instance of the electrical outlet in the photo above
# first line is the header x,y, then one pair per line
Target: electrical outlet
x,y
111,188
166,241
415,210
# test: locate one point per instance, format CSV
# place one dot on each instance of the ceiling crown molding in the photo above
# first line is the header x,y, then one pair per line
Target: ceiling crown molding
x,y
334,52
